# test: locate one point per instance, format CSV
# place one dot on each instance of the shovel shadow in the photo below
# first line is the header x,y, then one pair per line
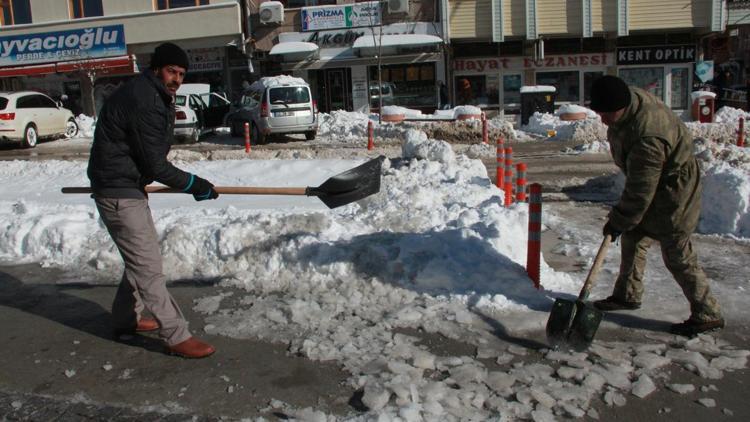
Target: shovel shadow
x,y
51,302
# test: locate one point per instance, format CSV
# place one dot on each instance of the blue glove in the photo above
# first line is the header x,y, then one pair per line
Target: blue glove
x,y
200,188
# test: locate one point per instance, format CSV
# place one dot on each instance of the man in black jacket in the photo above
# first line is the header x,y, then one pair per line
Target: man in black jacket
x,y
131,142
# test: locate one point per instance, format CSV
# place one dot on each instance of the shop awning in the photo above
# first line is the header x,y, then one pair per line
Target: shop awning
x,y
109,65
294,47
401,40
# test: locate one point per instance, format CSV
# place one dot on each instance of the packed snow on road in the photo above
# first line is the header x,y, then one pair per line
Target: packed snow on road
x,y
434,251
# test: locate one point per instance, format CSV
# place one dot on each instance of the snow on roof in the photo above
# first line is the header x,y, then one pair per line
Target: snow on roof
x,y
273,81
293,47
368,41
537,88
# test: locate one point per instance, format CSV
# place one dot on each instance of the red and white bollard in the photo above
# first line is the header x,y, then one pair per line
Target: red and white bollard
x,y
741,133
534,248
508,182
485,133
370,135
521,182
247,138
500,163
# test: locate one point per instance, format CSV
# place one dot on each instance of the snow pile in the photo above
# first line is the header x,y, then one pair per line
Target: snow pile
x,y
726,188
595,147
272,81
351,126
393,110
86,126
725,127
466,110
574,108
585,131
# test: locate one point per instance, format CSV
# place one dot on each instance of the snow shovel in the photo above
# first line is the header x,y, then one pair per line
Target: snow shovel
x,y
574,323
341,189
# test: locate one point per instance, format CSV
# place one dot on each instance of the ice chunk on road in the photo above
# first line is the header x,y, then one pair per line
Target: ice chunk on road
x,y
643,387
375,397
612,397
681,388
649,361
707,402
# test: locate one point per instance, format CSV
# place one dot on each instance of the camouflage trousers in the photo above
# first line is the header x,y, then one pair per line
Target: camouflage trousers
x,y
679,258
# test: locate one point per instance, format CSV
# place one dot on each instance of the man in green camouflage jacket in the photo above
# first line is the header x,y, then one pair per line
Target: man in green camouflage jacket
x,y
660,202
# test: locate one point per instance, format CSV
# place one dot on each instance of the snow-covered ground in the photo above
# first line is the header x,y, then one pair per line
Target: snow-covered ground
x,y
434,250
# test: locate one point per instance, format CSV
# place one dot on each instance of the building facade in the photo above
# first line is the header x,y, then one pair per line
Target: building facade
x,y
496,46
347,49
85,48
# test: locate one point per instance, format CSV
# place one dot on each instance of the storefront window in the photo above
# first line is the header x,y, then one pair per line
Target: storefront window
x,y
512,89
679,86
85,8
411,85
15,12
567,84
588,79
479,90
650,79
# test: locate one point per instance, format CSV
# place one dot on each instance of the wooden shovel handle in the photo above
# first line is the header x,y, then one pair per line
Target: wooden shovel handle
x,y
598,261
223,190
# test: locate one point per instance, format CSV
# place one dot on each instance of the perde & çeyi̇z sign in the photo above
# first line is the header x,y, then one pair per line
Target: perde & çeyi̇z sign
x,y
343,16
72,44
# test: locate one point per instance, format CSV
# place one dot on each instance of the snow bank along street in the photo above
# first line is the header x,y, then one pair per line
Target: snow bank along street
x,y
434,251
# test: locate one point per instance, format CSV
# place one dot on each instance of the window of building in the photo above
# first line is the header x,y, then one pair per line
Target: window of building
x,y
650,79
478,90
85,8
291,4
407,85
174,4
588,80
567,83
15,12
512,89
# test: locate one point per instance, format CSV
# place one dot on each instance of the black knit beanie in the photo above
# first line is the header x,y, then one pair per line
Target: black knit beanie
x,y
169,54
609,93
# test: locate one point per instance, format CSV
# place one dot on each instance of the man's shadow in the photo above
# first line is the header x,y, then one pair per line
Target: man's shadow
x,y
50,301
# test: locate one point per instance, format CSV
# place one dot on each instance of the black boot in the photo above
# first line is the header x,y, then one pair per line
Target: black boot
x,y
691,328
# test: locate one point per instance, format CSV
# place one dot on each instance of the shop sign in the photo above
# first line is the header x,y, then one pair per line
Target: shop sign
x,y
73,44
342,16
205,59
656,55
496,64
334,39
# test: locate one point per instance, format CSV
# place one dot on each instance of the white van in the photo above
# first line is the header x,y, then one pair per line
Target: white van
x,y
275,105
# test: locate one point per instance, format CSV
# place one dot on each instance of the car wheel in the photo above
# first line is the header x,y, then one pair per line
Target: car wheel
x,y
195,135
258,137
30,136
233,124
71,129
310,135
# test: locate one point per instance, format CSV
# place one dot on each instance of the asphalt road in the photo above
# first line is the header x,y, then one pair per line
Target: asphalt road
x,y
59,361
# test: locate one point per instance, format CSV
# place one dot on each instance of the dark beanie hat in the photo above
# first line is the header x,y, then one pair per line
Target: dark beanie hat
x,y
169,54
609,93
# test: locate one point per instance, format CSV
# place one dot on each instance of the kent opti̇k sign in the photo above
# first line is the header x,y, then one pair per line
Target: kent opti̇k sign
x,y
74,44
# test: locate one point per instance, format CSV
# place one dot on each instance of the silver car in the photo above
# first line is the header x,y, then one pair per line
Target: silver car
x,y
274,109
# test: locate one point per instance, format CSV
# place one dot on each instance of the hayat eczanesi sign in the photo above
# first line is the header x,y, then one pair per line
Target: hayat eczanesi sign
x,y
343,16
496,64
73,44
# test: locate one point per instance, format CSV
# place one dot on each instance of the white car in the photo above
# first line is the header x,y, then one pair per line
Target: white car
x,y
197,110
28,116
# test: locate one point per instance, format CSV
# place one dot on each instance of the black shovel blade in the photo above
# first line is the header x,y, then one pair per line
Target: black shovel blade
x,y
351,185
560,319
584,326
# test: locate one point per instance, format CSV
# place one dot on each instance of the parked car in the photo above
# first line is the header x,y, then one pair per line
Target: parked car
x,y
388,88
198,110
275,105
27,116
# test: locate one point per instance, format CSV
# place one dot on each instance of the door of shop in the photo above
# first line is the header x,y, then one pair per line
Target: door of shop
x,y
336,89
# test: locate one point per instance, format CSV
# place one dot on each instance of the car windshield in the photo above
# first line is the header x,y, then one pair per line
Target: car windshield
x,y
3,103
289,95
180,100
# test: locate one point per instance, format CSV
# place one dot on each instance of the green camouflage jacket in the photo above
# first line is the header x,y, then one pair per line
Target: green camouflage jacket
x,y
655,151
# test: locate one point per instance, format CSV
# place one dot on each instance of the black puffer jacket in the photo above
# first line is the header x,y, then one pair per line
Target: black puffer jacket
x,y
132,138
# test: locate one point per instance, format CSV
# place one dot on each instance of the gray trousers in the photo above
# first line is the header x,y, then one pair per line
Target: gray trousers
x,y
143,283
680,259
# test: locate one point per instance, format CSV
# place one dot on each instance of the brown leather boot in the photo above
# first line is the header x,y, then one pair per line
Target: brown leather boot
x,y
191,348
146,324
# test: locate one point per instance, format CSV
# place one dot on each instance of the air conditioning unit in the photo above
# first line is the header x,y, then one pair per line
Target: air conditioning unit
x,y
271,12
398,6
